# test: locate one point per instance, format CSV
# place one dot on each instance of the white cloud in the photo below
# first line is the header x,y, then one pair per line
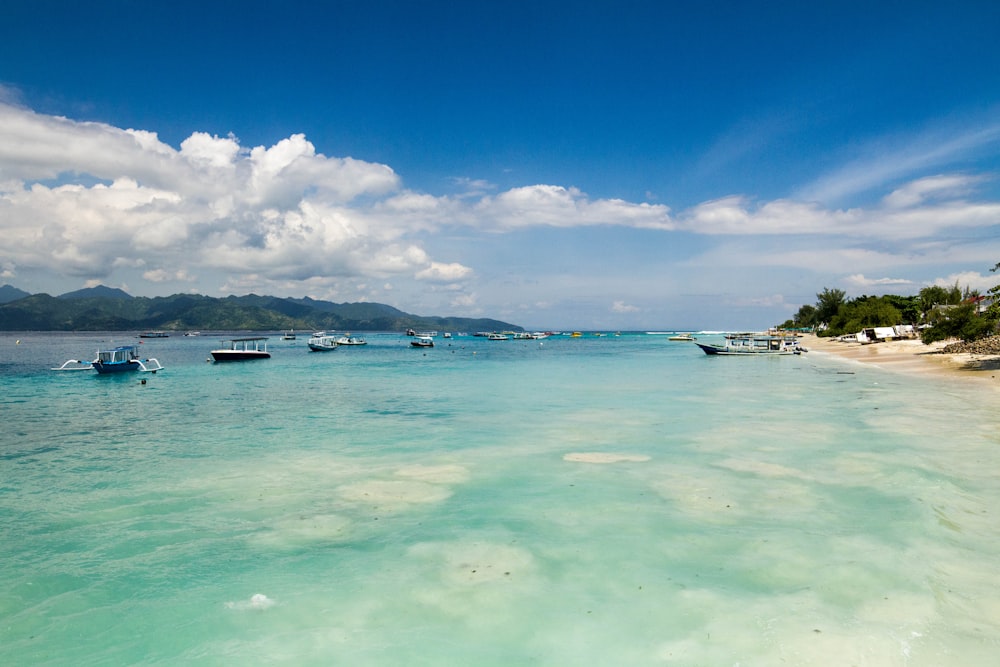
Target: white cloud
x,y
900,219
622,307
891,159
464,301
920,190
860,281
439,272
555,206
161,275
970,279
104,204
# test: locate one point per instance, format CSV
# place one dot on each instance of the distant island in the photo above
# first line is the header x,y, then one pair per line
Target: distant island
x,y
108,309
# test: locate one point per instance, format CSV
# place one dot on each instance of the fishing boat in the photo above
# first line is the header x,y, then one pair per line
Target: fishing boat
x,y
242,349
322,342
289,335
114,360
154,334
422,341
743,344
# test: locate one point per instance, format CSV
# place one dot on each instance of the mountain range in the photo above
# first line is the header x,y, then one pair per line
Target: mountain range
x,y
108,309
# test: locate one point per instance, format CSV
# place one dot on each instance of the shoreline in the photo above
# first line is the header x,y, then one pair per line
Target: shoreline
x,y
912,356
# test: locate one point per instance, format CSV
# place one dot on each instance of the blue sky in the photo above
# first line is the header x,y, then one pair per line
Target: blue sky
x,y
613,165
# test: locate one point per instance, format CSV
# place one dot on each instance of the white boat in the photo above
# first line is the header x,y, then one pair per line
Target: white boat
x,y
322,342
348,339
289,335
745,344
243,349
681,337
496,336
422,341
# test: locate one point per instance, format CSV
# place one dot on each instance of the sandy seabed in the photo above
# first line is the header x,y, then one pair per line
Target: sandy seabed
x,y
913,356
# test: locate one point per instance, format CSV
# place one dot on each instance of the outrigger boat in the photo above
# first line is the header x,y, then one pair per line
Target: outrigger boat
x,y
742,344
115,360
243,349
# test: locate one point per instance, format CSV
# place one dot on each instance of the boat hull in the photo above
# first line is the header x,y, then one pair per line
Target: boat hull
x,y
108,369
727,351
239,355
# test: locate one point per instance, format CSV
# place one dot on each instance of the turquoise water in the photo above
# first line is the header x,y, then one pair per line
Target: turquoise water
x,y
598,501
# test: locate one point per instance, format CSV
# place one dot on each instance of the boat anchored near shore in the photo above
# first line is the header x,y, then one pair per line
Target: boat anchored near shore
x,y
743,344
119,359
243,349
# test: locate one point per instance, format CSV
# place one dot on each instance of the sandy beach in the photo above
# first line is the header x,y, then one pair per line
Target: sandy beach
x,y
912,356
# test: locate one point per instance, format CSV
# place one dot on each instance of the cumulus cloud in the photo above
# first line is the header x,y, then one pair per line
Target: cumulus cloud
x,y
90,200
444,272
556,206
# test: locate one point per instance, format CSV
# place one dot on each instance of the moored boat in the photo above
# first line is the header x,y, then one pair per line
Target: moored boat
x,y
348,339
114,360
422,341
243,349
322,342
737,344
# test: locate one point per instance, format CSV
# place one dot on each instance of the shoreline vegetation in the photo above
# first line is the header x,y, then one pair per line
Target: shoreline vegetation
x,y
944,359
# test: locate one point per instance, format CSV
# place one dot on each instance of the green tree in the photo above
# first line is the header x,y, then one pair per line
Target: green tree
x,y
864,312
993,312
806,317
961,321
829,302
908,306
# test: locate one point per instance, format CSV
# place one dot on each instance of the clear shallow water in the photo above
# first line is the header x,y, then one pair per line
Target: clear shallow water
x,y
619,500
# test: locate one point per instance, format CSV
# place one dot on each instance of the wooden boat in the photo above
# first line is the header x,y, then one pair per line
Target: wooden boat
x,y
243,349
746,344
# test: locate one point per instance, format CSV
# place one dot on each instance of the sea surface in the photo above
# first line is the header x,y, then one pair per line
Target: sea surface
x,y
612,500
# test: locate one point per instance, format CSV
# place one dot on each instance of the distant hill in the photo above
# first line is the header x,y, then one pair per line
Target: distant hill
x,y
107,309
8,294
100,292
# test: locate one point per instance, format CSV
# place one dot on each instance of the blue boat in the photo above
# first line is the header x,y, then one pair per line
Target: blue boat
x,y
115,360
